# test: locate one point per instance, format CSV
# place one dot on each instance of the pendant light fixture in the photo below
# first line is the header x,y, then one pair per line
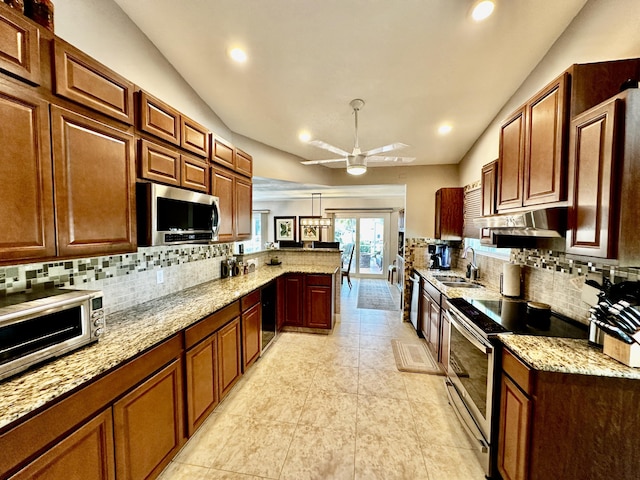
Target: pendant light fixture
x,y
315,221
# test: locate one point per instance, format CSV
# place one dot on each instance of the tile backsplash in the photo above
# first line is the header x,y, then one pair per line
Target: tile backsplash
x,y
130,279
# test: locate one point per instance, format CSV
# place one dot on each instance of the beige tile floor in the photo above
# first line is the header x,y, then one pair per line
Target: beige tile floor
x,y
332,407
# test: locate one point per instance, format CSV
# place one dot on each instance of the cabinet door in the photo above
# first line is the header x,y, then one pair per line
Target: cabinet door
x,y
94,174
592,217
317,312
489,184
223,154
82,79
202,382
423,319
445,338
148,425
513,436
229,356
86,453
293,291
158,118
195,137
244,163
434,330
251,323
511,162
222,187
449,213
242,208
26,193
195,173
545,165
19,47
159,163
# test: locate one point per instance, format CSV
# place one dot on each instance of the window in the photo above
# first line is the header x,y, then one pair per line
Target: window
x,y
474,243
258,233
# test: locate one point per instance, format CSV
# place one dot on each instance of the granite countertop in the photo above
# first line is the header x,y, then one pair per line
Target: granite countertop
x,y
566,355
127,334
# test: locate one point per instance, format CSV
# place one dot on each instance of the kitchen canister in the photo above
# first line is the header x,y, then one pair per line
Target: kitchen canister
x,y
510,280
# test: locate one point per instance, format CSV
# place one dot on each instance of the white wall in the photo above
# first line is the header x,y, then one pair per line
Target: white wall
x,y
101,29
603,30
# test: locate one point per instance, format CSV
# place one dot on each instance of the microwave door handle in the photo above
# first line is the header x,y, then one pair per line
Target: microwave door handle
x,y
467,334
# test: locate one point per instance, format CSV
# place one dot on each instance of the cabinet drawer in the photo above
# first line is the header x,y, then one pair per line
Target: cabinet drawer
x,y
80,78
321,280
210,324
19,47
159,119
195,174
433,292
250,300
158,163
244,163
223,153
195,137
518,371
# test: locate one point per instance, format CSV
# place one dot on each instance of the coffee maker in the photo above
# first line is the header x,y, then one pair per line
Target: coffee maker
x,y
439,256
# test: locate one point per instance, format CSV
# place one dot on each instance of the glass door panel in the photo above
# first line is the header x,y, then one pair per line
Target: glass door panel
x,y
368,233
371,246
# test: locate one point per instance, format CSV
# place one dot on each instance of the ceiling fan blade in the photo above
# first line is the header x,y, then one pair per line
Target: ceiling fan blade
x,y
320,162
378,159
327,146
386,148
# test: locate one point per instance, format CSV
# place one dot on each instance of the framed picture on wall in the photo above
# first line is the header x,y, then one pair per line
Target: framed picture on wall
x,y
284,228
308,233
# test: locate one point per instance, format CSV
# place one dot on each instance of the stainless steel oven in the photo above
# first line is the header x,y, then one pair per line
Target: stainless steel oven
x,y
470,382
38,326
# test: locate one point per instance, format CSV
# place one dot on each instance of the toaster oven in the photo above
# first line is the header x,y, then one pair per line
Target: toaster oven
x,y
38,326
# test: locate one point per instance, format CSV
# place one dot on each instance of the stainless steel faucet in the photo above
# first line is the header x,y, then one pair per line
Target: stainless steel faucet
x,y
474,269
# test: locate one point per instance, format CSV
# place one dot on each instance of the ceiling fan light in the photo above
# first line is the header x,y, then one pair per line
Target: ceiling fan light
x,y
356,164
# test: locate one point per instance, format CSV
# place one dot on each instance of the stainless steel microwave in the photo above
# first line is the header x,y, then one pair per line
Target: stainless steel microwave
x,y
41,325
169,215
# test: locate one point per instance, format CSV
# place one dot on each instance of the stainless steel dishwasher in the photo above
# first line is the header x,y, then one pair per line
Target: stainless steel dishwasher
x,y
415,301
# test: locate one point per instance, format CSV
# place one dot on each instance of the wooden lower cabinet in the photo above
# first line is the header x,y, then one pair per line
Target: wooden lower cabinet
x,y
229,356
306,300
87,453
148,425
251,327
201,382
515,408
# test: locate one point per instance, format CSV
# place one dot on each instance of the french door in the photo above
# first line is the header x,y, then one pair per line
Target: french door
x,y
369,233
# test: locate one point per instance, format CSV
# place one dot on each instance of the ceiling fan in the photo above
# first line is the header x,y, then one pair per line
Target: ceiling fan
x,y
356,160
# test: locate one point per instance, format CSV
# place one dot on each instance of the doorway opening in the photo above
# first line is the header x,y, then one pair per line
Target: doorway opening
x,y
369,233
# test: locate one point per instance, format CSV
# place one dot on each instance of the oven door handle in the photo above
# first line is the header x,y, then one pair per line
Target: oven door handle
x,y
466,333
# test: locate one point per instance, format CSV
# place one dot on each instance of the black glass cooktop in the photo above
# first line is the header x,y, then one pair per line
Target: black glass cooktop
x,y
504,316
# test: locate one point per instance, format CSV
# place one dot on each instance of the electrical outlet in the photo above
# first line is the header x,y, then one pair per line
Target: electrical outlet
x,y
160,276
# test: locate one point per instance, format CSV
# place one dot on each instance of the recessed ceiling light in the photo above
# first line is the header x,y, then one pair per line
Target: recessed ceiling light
x,y
304,136
444,129
482,10
238,55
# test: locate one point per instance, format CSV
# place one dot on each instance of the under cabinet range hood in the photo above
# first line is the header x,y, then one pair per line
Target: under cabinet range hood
x,y
545,223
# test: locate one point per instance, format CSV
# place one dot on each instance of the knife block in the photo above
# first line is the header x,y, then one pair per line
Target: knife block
x,y
629,354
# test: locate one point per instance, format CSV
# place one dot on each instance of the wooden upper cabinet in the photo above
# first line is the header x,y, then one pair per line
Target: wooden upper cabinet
x,y
243,207
95,185
223,154
195,137
26,196
158,118
593,184
544,161
511,162
489,180
195,173
82,79
222,187
244,163
159,163
449,213
19,47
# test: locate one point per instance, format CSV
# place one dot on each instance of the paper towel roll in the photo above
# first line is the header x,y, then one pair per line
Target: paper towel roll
x,y
511,280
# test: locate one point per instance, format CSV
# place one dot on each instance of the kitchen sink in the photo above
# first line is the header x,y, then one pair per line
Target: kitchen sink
x,y
449,279
465,284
